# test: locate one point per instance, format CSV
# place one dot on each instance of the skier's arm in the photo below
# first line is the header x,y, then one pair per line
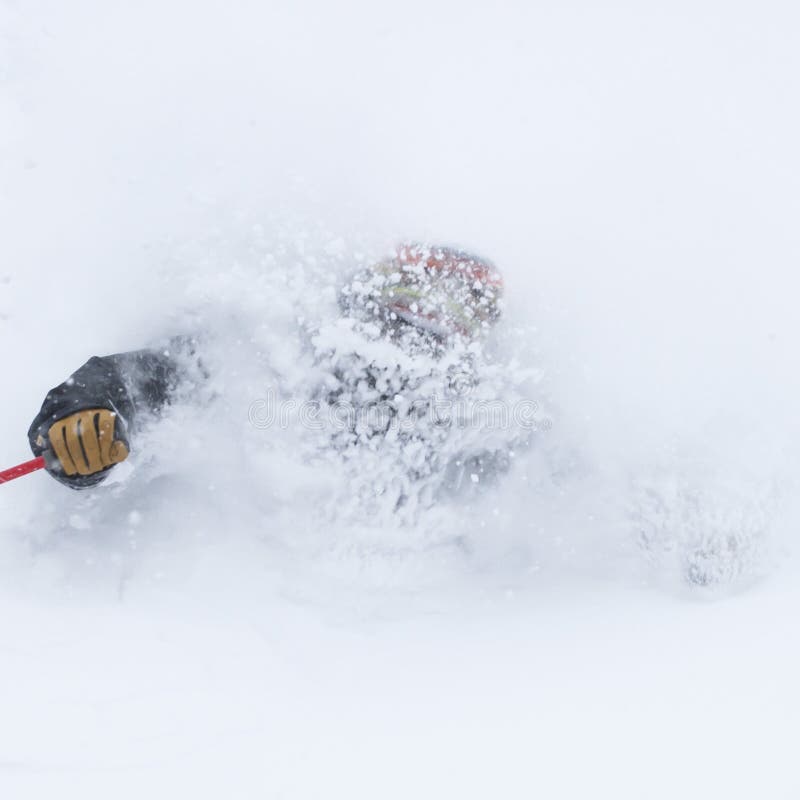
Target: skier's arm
x,y
83,427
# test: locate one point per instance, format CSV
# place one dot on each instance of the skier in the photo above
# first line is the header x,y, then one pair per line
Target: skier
x,y
433,304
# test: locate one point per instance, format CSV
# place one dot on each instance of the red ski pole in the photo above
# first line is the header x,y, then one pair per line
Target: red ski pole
x,y
21,469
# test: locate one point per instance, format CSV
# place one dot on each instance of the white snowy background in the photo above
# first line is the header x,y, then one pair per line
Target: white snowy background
x,y
199,628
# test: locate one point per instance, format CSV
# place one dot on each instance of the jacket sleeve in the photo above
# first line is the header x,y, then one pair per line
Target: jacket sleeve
x,y
134,385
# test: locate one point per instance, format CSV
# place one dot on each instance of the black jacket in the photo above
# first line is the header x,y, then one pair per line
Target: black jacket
x,y
131,384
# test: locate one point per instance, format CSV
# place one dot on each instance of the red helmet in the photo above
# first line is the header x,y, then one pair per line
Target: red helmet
x,y
439,289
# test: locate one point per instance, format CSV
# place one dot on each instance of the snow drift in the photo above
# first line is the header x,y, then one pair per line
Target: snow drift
x,y
228,614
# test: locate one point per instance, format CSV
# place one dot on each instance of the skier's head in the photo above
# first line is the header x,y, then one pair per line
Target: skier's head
x,y
439,290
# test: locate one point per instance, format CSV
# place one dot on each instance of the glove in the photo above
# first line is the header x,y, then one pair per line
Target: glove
x,y
79,448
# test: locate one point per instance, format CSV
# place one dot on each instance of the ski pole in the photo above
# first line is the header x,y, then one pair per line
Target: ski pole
x,y
21,469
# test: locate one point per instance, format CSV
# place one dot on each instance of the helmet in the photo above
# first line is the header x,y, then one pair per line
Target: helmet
x,y
437,289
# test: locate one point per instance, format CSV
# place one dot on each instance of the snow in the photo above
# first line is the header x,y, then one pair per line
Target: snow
x,y
615,616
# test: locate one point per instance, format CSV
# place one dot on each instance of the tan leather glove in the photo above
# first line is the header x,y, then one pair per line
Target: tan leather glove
x,y
86,442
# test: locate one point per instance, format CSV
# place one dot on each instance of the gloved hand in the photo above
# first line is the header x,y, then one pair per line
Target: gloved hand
x,y
83,445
